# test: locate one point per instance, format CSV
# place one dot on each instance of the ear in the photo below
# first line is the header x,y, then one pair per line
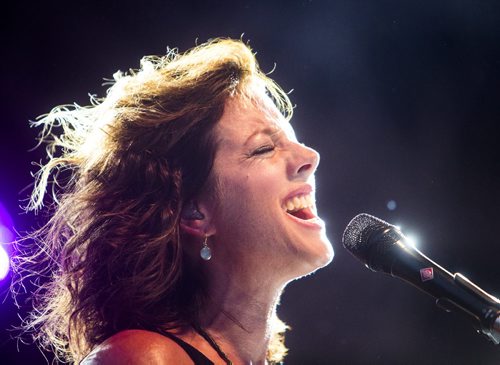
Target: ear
x,y
196,219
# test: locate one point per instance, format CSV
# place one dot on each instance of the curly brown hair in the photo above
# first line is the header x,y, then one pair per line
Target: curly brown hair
x,y
121,169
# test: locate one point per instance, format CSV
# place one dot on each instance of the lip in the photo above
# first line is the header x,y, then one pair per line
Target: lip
x,y
305,189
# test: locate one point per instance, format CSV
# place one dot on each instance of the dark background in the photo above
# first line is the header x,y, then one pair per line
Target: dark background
x,y
401,98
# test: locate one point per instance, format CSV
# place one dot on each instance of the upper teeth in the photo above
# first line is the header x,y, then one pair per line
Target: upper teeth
x,y
298,202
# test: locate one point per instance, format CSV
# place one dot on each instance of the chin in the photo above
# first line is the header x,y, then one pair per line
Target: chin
x,y
314,260
326,256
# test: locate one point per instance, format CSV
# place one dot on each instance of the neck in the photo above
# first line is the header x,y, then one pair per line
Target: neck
x,y
239,315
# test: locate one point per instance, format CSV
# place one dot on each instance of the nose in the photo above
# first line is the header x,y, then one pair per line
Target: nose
x,y
304,162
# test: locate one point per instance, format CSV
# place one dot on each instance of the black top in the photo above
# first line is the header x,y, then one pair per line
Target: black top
x,y
197,357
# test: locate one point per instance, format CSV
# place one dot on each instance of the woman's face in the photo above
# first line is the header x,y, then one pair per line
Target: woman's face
x,y
265,210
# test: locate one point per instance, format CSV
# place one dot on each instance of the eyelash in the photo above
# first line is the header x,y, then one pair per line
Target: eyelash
x,y
262,150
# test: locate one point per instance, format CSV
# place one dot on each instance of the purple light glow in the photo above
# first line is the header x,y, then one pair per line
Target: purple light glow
x,y
6,236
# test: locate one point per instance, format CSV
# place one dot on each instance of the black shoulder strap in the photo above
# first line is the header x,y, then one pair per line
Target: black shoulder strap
x,y
194,354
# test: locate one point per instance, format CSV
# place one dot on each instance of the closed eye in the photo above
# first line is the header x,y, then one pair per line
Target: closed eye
x,y
263,150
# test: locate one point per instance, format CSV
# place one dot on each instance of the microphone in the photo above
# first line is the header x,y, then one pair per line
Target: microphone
x,y
383,247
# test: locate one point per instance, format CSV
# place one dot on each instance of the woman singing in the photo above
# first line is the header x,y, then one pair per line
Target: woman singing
x,y
183,204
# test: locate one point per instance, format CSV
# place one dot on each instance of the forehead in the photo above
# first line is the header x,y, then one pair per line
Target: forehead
x,y
243,117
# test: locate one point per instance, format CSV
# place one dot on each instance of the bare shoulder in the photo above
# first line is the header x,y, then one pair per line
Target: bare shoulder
x,y
137,347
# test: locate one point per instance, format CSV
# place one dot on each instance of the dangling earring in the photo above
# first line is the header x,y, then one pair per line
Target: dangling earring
x,y
206,252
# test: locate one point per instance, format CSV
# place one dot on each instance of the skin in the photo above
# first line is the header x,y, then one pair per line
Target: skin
x,y
257,248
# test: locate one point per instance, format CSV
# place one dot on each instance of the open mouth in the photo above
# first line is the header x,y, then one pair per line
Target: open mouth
x,y
300,206
303,214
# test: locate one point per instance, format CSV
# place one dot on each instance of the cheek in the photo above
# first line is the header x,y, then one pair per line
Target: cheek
x,y
248,195
253,185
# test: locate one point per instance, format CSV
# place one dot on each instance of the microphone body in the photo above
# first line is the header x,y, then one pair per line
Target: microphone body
x,y
383,247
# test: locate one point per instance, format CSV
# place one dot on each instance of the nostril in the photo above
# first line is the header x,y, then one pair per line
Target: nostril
x,y
304,168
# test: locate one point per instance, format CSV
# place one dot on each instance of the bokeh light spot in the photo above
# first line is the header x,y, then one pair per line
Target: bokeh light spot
x,y
391,205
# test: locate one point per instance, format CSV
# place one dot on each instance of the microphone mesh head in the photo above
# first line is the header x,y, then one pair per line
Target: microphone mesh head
x,y
358,232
